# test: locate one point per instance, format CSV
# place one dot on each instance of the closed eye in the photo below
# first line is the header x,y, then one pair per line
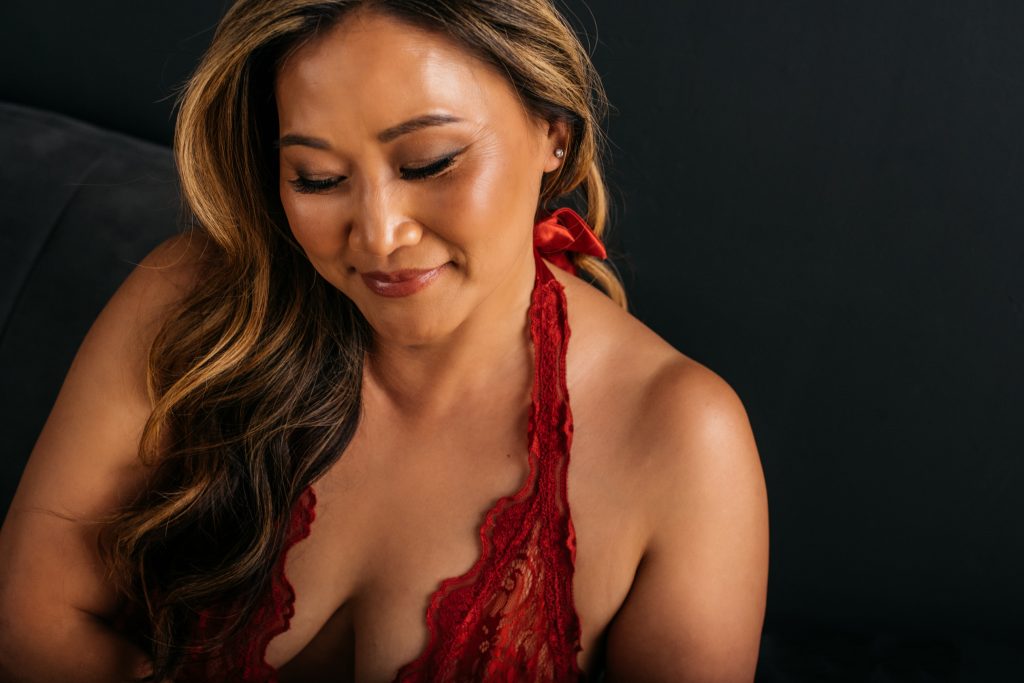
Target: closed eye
x,y
310,186
429,171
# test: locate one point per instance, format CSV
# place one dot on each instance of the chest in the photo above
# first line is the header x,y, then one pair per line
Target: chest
x,y
400,512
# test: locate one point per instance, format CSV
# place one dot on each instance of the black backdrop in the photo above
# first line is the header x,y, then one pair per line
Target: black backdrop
x,y
818,200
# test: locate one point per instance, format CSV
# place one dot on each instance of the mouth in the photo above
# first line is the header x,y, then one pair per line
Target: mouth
x,y
398,283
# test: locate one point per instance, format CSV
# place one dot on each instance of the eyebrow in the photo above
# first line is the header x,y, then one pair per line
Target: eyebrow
x,y
387,135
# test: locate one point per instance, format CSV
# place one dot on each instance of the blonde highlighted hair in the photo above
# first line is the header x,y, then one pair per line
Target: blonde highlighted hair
x,y
256,380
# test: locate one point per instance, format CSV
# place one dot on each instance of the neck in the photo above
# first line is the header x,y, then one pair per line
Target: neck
x,y
474,365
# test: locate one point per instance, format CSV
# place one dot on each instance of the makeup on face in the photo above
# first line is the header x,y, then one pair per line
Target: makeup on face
x,y
402,282
409,174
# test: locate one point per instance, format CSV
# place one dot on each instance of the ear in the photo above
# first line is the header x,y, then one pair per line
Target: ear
x,y
557,138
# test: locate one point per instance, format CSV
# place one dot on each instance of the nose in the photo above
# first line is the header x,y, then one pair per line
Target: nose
x,y
379,223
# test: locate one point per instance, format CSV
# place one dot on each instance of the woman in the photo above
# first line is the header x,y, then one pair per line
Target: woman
x,y
325,436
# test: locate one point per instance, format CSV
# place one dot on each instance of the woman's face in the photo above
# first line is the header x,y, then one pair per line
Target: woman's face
x,y
400,150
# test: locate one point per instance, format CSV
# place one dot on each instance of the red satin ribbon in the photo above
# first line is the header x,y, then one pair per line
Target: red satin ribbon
x,y
564,230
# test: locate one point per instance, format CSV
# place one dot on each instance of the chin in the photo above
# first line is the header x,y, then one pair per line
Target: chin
x,y
414,326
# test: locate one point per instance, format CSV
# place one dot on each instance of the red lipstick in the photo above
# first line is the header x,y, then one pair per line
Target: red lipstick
x,y
401,282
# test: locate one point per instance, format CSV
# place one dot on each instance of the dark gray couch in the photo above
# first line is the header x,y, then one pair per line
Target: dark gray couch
x,y
78,207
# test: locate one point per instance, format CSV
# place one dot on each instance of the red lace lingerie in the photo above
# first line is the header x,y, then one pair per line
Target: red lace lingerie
x,y
511,617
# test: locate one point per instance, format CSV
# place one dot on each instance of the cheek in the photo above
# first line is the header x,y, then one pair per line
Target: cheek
x,y
313,221
485,201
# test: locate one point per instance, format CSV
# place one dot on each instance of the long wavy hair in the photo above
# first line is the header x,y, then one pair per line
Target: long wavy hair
x,y
256,379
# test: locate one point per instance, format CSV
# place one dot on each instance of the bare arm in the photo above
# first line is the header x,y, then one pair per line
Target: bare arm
x,y
696,607
54,598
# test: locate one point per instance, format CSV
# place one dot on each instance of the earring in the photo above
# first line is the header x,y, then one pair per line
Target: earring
x,y
559,152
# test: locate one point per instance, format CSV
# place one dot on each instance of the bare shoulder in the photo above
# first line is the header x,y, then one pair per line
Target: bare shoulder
x,y
701,588
677,413
675,422
693,419
696,606
85,461
610,345
159,282
656,387
176,262
120,338
106,384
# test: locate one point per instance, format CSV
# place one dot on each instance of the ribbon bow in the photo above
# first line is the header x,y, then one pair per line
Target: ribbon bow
x,y
564,230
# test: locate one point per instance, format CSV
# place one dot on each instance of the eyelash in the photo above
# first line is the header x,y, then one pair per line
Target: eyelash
x,y
309,186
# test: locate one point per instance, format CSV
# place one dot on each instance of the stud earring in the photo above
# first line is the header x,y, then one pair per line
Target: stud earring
x,y
559,152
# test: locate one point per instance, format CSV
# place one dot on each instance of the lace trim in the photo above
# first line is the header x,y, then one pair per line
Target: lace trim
x,y
283,594
245,661
511,617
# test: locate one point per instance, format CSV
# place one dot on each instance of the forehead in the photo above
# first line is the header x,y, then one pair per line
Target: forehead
x,y
371,71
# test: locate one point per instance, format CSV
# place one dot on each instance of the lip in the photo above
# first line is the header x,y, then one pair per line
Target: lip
x,y
401,282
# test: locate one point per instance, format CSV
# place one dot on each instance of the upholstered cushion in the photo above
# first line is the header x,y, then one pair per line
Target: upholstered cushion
x,y
78,207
